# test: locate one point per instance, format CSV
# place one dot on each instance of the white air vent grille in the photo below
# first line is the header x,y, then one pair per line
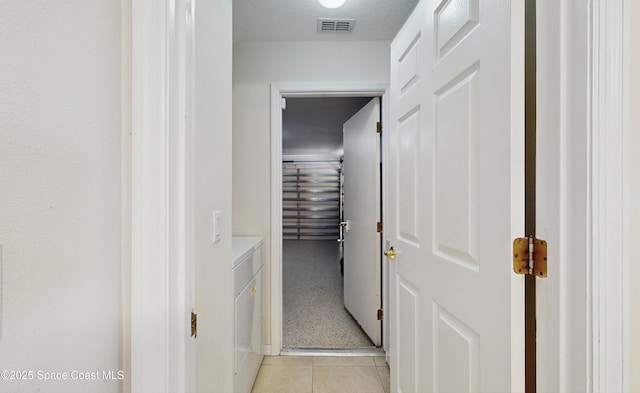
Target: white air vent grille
x,y
335,25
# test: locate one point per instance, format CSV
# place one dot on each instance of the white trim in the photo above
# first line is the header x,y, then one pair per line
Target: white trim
x,y
125,196
188,100
562,172
517,189
149,305
279,91
180,203
608,200
276,221
161,356
631,185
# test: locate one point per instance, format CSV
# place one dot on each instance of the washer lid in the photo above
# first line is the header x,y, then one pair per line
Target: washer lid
x,y
241,246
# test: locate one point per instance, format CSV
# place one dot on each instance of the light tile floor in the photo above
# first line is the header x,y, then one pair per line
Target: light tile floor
x,y
322,374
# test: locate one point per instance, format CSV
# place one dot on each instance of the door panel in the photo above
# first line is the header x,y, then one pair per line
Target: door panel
x,y
455,169
408,70
407,337
452,199
454,20
362,249
456,354
408,153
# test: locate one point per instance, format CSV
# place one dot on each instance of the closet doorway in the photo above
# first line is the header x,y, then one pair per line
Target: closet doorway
x,y
316,229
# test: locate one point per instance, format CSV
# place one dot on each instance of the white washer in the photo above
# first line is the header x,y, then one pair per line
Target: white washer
x,y
247,255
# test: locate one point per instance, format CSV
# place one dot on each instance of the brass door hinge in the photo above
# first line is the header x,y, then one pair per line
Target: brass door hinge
x,y
194,324
530,256
379,227
379,127
380,314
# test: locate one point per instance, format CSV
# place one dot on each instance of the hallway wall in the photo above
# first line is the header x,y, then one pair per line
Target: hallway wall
x,y
62,138
212,185
255,66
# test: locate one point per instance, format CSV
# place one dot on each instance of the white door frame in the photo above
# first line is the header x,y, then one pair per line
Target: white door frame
x,y
590,249
561,200
610,205
278,92
162,355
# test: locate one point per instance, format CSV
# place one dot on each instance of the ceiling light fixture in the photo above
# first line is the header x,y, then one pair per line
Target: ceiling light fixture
x,y
331,3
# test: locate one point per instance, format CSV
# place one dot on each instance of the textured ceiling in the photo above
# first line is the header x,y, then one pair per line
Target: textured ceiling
x,y
313,126
296,20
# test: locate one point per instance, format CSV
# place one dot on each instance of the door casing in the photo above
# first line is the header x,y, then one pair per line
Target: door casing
x,y
583,208
162,265
278,92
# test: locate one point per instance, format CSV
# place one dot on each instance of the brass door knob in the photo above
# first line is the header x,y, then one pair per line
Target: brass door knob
x,y
390,253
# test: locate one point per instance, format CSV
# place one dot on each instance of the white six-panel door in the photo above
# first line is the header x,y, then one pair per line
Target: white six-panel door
x,y
454,184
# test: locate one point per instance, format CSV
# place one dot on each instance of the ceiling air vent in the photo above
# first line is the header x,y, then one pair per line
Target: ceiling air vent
x,y
333,25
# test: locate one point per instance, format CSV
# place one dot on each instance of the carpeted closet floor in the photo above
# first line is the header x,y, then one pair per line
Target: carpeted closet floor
x,y
314,313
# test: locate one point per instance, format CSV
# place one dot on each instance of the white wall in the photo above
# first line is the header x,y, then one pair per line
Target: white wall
x,y
212,191
255,66
60,192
